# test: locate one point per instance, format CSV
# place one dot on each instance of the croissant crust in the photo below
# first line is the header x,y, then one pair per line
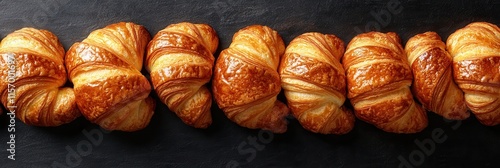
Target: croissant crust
x,y
378,83
180,61
246,82
34,60
314,83
105,70
433,82
476,68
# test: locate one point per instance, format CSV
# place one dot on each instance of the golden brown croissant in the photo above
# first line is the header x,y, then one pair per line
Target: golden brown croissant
x,y
33,59
315,84
180,60
433,81
476,68
246,82
105,70
378,82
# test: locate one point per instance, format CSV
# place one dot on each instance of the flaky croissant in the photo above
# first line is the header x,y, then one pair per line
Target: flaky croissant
x,y
246,82
433,82
315,84
33,76
180,60
378,82
105,70
476,68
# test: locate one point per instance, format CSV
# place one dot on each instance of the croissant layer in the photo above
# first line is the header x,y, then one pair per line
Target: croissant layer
x,y
433,82
378,83
314,83
180,60
476,68
105,70
32,61
246,82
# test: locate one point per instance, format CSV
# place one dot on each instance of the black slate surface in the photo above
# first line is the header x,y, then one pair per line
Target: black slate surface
x,y
167,142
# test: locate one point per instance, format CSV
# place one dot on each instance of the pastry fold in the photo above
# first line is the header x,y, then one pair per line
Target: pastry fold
x,y
33,78
315,83
378,83
246,82
180,60
105,69
476,68
433,83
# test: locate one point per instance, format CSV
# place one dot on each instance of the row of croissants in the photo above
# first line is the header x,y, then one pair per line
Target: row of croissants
x,y
318,73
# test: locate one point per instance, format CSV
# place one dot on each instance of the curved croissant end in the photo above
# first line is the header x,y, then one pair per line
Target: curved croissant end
x,y
33,59
378,82
433,81
105,70
314,83
180,60
246,82
476,68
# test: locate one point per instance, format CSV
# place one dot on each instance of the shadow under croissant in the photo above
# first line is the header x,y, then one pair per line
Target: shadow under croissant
x,y
332,139
66,130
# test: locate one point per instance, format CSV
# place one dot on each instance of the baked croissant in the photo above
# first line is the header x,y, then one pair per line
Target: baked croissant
x,y
378,83
476,68
105,70
32,61
180,60
246,82
433,81
315,84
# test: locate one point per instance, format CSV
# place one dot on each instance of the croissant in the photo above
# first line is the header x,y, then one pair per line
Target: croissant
x,y
315,84
33,68
246,82
378,83
433,81
476,68
105,70
180,60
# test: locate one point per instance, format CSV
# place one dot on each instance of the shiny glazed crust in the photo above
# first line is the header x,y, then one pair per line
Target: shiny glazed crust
x,y
433,83
378,83
105,70
35,59
476,68
315,85
180,60
246,82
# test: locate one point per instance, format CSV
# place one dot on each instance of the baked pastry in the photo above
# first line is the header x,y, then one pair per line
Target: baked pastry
x,y
246,82
315,84
105,70
476,68
378,83
180,60
433,83
32,65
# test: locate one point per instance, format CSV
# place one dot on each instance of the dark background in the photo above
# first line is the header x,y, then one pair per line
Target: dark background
x,y
167,142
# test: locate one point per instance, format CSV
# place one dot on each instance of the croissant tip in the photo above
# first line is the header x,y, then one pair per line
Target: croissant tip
x,y
201,122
